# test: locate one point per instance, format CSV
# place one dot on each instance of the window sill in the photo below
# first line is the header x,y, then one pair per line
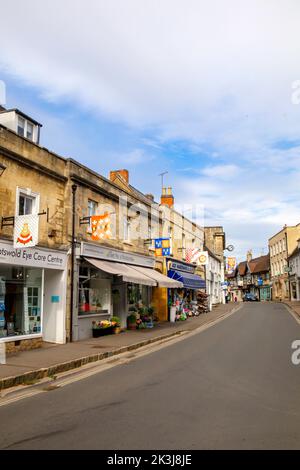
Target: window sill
x,y
127,242
92,315
7,339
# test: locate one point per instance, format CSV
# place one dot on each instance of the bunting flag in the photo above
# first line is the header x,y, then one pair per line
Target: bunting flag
x,y
192,255
101,227
26,230
230,264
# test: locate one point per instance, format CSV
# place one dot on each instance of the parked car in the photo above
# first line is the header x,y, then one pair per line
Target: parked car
x,y
250,298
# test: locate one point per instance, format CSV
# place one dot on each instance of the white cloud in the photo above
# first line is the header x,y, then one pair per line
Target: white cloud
x,y
215,74
221,171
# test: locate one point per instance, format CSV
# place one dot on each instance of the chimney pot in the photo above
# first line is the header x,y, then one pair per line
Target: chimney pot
x,y
123,173
167,199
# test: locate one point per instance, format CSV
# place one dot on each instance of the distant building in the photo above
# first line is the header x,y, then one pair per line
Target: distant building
x,y
281,247
251,276
294,272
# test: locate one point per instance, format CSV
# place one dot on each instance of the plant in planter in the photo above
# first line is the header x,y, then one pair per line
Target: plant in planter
x,y
102,328
117,324
131,321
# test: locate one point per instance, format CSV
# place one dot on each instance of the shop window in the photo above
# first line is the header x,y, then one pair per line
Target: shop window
x,y
20,301
94,292
137,295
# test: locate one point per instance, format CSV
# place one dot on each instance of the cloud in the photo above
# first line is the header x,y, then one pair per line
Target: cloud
x,y
221,171
207,80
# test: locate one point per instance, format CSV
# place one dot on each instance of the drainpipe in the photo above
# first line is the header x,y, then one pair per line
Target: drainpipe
x,y
73,248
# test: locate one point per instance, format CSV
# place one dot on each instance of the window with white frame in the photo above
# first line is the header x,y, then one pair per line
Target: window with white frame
x,y
21,126
151,235
25,128
27,202
29,130
92,207
170,235
126,228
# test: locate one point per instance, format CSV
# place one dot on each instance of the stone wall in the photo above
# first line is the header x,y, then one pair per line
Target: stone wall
x,y
23,345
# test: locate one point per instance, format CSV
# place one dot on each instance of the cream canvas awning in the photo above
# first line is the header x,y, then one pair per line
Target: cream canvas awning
x,y
161,279
128,273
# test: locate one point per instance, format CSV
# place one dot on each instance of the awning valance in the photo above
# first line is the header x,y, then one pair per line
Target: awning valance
x,y
128,273
189,281
161,279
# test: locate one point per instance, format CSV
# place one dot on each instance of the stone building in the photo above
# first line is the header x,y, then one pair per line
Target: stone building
x,y
294,273
251,276
33,279
114,269
184,235
281,246
86,243
215,241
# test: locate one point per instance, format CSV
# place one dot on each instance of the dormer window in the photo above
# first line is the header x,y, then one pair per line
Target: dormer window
x,y
29,131
21,126
25,128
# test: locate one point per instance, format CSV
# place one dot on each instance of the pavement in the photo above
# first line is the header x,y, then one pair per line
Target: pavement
x,y
294,306
230,386
29,366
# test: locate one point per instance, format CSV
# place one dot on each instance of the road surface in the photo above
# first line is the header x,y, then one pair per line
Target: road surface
x,y
232,386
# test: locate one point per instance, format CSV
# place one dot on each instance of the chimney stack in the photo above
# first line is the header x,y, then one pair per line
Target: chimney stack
x,y
123,173
167,198
150,196
249,255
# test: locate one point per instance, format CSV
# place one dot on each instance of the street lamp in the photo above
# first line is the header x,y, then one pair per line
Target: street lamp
x,y
2,169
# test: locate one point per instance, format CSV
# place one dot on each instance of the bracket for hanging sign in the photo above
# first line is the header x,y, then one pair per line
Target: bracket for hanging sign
x,y
85,220
7,221
10,221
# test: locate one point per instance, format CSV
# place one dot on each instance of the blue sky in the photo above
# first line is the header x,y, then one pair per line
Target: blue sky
x,y
203,90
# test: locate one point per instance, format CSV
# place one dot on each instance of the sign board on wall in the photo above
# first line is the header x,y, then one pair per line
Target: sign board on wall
x,y
177,266
111,254
32,257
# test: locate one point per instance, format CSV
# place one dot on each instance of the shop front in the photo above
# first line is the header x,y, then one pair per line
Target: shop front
x,y
32,296
112,282
184,299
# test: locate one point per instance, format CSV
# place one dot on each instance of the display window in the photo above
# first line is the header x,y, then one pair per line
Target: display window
x,y
138,294
94,292
20,301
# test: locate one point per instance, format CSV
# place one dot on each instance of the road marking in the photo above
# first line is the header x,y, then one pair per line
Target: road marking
x,y
93,368
294,315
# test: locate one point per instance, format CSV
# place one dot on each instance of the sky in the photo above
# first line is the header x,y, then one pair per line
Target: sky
x,y
206,90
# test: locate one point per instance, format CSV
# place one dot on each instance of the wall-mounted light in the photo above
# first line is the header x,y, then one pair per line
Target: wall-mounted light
x,y
2,169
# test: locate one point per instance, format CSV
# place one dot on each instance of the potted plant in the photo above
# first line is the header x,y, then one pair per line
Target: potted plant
x,y
102,328
116,322
131,321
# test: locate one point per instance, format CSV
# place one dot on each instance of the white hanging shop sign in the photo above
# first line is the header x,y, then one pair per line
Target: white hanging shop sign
x,y
32,257
26,231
